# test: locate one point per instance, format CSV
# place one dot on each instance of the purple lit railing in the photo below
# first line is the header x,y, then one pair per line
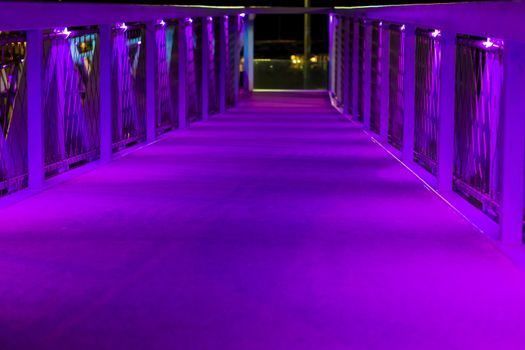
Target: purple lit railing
x,y
479,83
214,65
194,69
338,58
13,113
71,95
428,72
375,96
361,72
128,85
95,90
166,74
396,89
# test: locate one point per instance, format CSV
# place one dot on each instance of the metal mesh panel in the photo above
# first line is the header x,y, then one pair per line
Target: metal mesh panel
x,y
428,72
213,69
350,56
166,76
71,100
477,136
217,29
13,113
396,89
338,58
361,72
375,96
128,86
232,70
194,70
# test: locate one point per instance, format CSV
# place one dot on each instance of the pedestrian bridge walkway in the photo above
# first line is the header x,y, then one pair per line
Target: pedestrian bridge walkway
x,y
277,225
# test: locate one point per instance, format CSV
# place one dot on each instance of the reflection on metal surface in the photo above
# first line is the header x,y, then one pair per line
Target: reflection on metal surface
x,y
428,71
71,95
13,113
396,89
166,76
375,96
479,77
128,86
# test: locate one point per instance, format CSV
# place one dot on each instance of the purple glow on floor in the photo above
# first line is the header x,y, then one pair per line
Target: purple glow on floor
x,y
278,225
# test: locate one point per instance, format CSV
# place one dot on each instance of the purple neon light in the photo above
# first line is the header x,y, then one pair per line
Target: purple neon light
x,y
161,22
436,33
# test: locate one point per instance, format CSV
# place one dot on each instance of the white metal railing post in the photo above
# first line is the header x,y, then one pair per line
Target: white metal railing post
x,y
182,73
446,112
513,153
35,127
385,80
409,90
105,91
150,81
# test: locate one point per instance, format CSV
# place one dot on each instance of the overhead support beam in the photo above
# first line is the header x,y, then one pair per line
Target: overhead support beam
x,y
35,122
513,153
409,90
150,81
446,112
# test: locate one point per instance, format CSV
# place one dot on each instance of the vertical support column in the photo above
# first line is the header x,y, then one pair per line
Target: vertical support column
x,y
367,74
35,127
105,91
385,80
347,99
182,73
355,68
331,51
222,65
409,90
150,81
248,53
236,60
446,112
205,67
513,153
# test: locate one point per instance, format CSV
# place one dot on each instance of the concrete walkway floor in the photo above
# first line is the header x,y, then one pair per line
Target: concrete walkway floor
x,y
278,225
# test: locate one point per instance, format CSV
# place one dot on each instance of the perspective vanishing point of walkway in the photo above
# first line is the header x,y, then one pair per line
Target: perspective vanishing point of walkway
x,y
278,225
